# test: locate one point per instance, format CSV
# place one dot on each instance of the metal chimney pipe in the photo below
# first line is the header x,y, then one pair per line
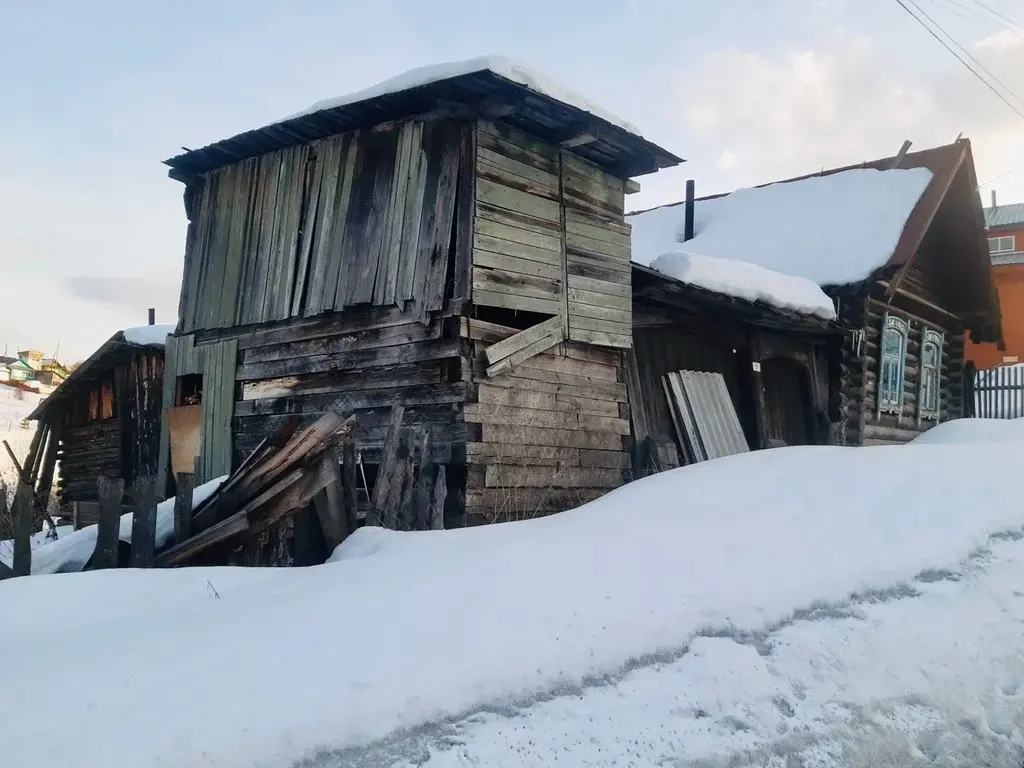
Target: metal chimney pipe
x,y
688,220
152,315
993,198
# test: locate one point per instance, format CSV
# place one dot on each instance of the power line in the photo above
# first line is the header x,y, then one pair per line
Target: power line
x,y
1001,175
997,14
960,58
967,12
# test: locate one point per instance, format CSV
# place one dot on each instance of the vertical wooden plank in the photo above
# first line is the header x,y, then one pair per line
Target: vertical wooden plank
x,y
340,274
144,523
110,491
425,486
169,382
183,506
329,504
440,496
227,413
377,171
350,482
391,252
379,511
45,482
414,192
332,153
465,207
433,298
31,470
21,511
563,251
308,224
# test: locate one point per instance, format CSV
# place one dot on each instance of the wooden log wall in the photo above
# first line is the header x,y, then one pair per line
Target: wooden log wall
x,y
550,434
550,237
87,452
365,217
362,362
138,396
889,428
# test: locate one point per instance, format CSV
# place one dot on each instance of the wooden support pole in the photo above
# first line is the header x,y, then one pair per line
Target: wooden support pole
x,y
14,461
425,485
108,528
184,485
144,523
45,479
379,513
21,511
329,506
32,469
33,448
350,482
440,496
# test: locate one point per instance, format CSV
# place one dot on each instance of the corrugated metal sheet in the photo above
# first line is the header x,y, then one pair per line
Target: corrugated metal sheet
x,y
1005,215
705,415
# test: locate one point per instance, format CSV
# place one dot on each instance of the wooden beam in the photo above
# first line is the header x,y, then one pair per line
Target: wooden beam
x,y
519,341
543,344
185,484
110,492
232,526
329,504
21,511
143,552
630,187
578,140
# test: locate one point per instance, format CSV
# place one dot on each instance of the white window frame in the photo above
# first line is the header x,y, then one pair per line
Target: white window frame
x,y
999,240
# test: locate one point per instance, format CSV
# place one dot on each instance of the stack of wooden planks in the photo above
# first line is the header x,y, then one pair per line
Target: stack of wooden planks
x,y
277,480
547,434
704,415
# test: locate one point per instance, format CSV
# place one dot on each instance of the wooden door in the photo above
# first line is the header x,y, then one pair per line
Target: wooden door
x,y
787,397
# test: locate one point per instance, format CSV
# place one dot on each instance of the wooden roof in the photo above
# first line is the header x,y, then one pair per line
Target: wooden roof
x,y
477,94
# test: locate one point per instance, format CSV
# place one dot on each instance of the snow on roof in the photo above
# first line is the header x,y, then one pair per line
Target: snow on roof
x,y
145,335
750,282
831,230
499,65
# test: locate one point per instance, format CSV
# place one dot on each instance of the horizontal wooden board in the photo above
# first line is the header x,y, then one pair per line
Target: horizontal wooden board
x,y
624,316
500,281
503,177
488,413
482,330
370,358
514,264
488,129
592,324
602,221
592,354
552,381
569,438
490,505
577,166
487,298
521,339
591,270
498,452
371,338
411,374
519,250
576,225
619,252
333,324
509,170
548,401
565,477
601,338
498,195
580,296
601,286
615,459
495,222
573,367
343,402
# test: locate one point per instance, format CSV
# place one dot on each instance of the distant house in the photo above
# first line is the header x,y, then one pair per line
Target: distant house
x,y
104,419
898,244
1005,229
5,362
21,370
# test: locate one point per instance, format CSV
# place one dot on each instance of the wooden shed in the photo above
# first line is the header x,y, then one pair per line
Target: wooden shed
x,y
906,304
453,242
103,420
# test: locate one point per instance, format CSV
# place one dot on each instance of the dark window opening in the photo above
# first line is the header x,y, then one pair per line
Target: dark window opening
x,y
189,389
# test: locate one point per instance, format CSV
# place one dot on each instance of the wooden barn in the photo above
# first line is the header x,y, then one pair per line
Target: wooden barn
x,y
453,242
899,245
102,421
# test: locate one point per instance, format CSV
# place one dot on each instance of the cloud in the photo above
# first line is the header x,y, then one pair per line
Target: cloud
x,y
122,292
795,111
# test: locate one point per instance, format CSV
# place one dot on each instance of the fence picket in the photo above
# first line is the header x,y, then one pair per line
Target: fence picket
x,y
998,393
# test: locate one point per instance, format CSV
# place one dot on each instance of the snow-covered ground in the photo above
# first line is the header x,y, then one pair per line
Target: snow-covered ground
x,y
746,611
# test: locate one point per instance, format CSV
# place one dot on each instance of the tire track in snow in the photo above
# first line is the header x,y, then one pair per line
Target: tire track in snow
x,y
881,732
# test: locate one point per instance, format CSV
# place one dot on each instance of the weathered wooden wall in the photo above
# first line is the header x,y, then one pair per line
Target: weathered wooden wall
x,y
548,435
111,428
362,218
550,237
864,424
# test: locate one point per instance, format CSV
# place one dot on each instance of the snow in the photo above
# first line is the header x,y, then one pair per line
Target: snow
x,y
742,280
831,230
70,552
145,335
499,65
740,607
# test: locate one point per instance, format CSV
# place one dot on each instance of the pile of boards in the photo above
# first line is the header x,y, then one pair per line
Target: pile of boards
x,y
320,465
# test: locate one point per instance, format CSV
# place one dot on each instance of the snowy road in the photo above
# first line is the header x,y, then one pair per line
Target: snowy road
x,y
929,672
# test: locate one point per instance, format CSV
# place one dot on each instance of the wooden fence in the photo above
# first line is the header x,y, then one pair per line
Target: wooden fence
x,y
997,393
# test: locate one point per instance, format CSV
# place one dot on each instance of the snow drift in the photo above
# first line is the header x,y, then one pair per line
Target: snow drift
x,y
235,667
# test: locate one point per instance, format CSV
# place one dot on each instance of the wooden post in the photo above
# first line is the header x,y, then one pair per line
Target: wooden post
x,y
32,468
108,528
45,480
379,513
33,447
403,485
185,484
21,511
425,485
350,488
440,495
329,505
144,523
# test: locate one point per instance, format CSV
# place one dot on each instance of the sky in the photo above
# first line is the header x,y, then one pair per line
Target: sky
x,y
94,96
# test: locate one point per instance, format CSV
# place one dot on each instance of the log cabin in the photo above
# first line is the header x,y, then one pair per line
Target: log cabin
x,y
452,241
102,421
898,244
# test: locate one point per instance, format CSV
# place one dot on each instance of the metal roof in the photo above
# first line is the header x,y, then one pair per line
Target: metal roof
x,y
476,94
1005,215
